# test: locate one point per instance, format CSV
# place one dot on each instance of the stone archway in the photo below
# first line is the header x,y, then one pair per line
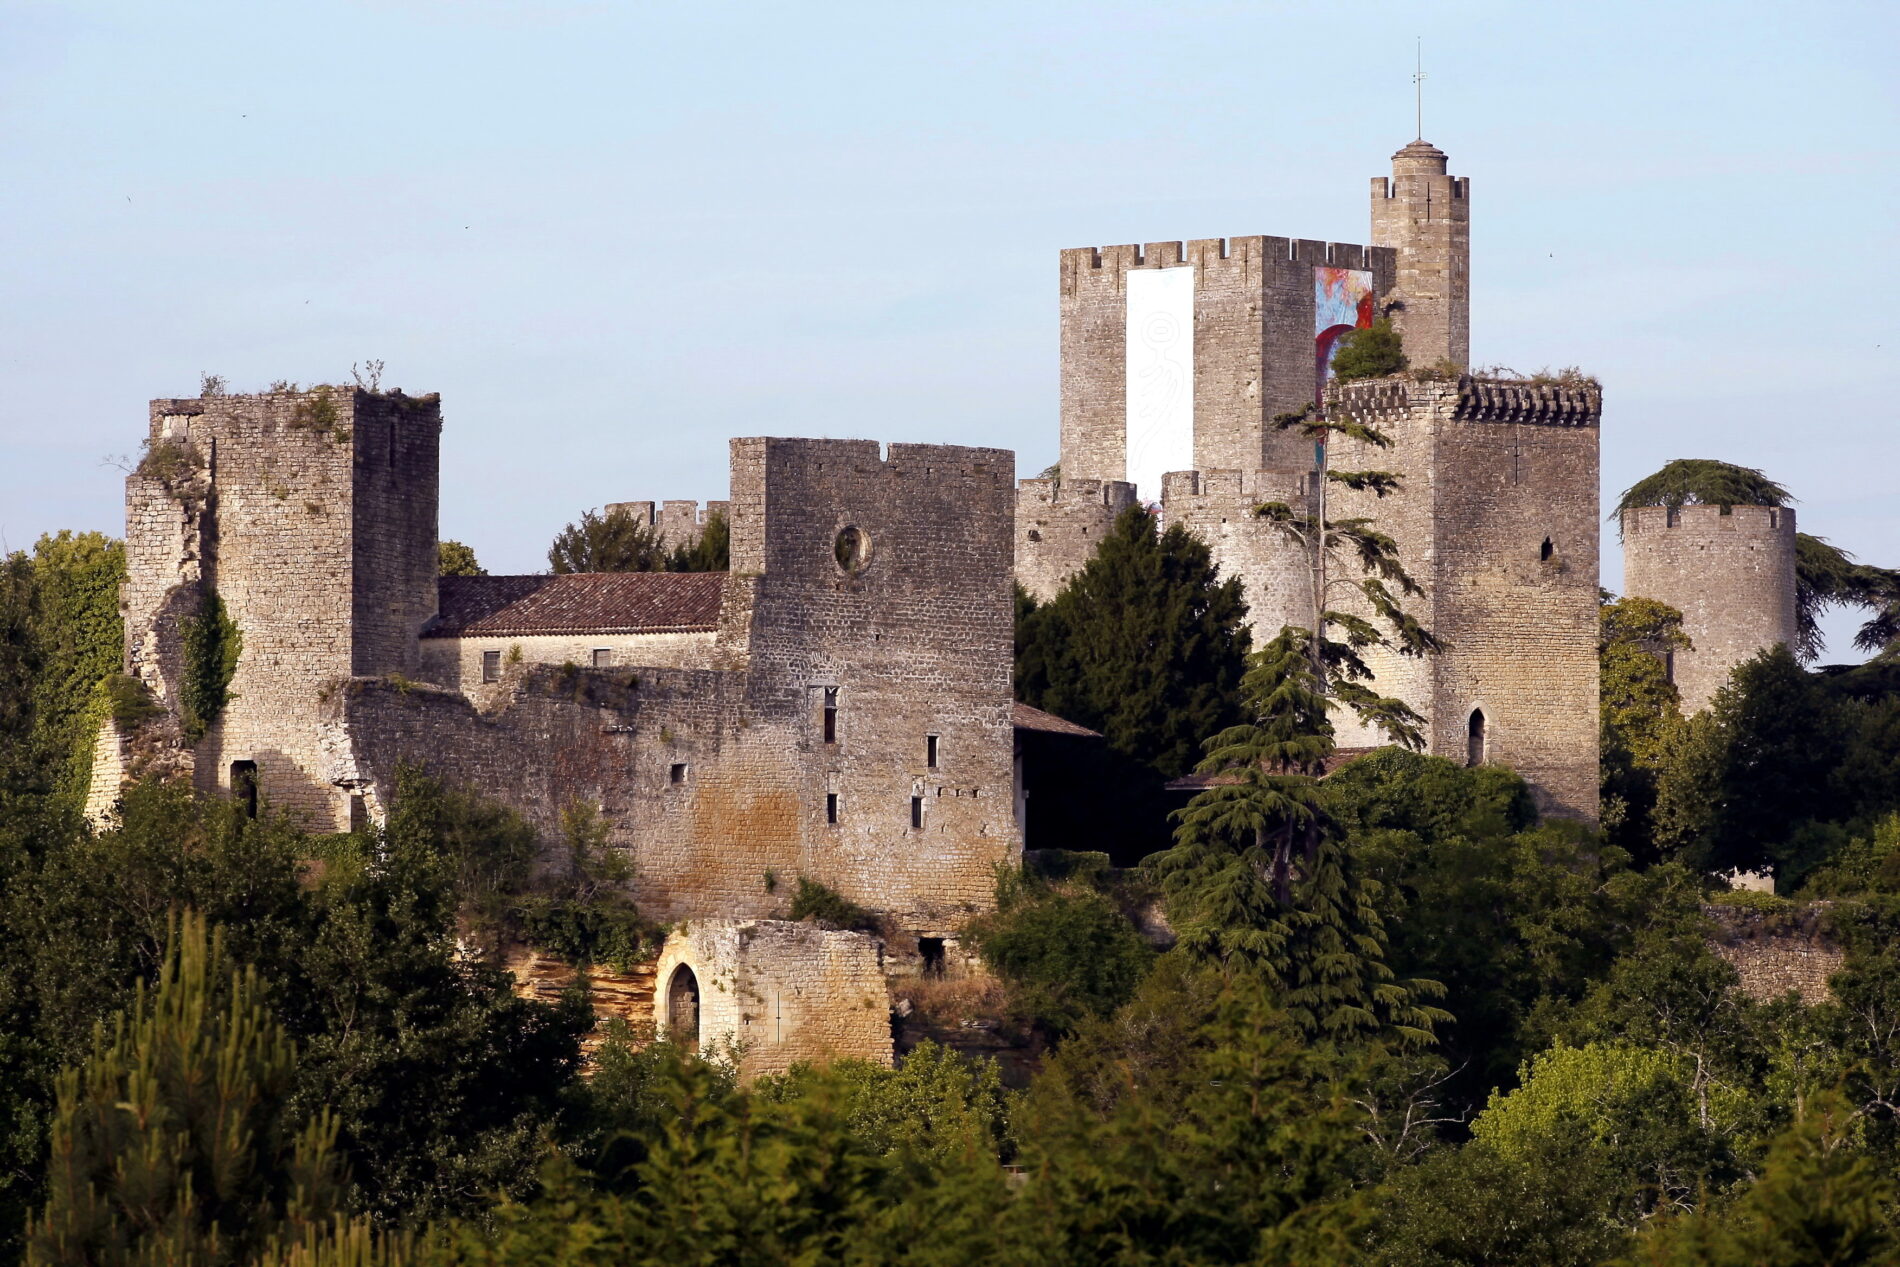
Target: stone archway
x,y
682,1008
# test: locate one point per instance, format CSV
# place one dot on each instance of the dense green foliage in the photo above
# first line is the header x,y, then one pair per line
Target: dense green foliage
x,y
1372,352
1144,644
212,644
1403,1021
619,542
1703,482
452,558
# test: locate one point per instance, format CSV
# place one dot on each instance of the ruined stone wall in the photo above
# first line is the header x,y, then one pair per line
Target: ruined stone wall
x,y
1253,346
776,993
1498,521
457,662
1425,216
1731,575
1777,952
916,642
1059,525
312,516
1218,507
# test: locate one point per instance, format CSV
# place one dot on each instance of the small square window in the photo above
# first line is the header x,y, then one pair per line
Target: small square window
x,y
491,666
603,657
831,807
676,773
930,751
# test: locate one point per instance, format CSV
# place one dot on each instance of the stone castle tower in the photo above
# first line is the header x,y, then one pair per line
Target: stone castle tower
x,y
1175,363
1425,216
312,517
1730,571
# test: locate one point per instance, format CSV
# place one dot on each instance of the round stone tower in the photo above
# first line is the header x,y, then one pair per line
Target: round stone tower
x,y
1729,571
1425,214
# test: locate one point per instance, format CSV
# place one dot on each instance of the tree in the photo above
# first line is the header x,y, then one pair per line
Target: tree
x,y
1372,352
1740,782
1065,952
173,1143
1259,880
1640,714
1145,644
1819,1202
452,558
613,542
619,542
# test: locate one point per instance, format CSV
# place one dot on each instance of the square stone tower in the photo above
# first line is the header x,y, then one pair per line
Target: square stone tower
x,y
1179,360
312,517
1497,521
1424,215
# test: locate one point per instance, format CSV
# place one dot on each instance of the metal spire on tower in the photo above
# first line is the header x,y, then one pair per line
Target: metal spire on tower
x,y
1418,86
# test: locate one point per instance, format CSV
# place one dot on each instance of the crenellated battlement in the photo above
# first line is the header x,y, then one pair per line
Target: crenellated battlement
x,y
1059,523
678,523
1765,521
1183,490
1471,399
1089,264
1113,495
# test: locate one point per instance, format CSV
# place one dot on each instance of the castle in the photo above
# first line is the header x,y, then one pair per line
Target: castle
x,y
838,704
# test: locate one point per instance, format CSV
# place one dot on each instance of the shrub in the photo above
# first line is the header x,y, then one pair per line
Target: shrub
x,y
829,909
130,702
1065,952
212,644
1372,352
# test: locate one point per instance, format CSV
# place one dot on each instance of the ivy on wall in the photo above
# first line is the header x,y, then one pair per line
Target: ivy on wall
x,y
212,643
79,639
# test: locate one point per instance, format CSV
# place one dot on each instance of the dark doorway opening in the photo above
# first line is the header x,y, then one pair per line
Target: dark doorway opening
x,y
682,1009
1475,738
931,950
244,786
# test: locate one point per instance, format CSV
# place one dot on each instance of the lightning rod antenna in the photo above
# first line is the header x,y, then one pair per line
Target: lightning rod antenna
x,y
1418,86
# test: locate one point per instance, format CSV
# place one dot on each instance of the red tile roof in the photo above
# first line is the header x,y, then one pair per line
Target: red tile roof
x,y
579,603
1027,718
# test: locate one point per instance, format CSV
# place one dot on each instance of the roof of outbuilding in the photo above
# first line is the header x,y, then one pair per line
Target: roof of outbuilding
x,y
1027,718
578,603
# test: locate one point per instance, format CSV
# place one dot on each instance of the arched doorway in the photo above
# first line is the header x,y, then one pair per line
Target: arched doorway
x,y
682,1009
1474,738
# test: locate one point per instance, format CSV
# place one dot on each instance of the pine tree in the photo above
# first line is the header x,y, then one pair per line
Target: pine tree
x,y
1145,644
170,1144
1259,878
453,558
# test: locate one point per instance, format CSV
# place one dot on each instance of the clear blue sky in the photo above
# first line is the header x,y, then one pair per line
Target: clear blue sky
x,y
615,234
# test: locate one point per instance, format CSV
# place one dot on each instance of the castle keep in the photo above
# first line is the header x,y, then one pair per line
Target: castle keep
x,y
837,706
1175,363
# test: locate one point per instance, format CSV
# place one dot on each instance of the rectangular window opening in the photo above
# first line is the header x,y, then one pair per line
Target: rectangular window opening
x,y
930,751
676,773
244,786
831,714
603,657
917,813
831,807
491,666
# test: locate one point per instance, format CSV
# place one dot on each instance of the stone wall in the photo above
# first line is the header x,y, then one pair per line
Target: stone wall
x,y
721,783
1730,573
1425,216
1497,521
1218,507
1059,525
1777,952
1253,346
774,993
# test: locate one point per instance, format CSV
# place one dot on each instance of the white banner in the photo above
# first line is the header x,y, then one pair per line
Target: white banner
x,y
1160,367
